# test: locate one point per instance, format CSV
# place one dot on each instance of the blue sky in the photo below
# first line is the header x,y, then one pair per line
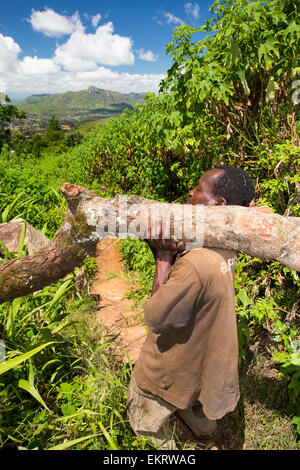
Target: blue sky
x,y
59,46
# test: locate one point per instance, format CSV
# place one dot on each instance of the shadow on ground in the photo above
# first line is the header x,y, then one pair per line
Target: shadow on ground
x,y
263,397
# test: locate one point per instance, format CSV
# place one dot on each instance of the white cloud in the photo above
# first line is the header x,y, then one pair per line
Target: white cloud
x,y
147,55
52,24
172,19
85,51
103,77
96,19
32,66
82,60
193,11
169,18
9,51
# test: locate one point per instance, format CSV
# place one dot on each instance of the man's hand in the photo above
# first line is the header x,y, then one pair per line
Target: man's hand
x,y
164,248
163,245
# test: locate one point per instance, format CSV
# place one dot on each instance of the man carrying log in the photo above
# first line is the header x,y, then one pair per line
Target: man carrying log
x,y
189,361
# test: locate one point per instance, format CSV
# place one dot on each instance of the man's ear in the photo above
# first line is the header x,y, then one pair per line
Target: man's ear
x,y
220,201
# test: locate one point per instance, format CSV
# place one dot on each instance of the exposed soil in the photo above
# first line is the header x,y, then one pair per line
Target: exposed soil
x,y
116,312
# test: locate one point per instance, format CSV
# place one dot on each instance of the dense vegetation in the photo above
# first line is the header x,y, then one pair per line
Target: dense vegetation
x,y
227,99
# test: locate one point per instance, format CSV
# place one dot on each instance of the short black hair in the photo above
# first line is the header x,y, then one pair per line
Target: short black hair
x,y
235,186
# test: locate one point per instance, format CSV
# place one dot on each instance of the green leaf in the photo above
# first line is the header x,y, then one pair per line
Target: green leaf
x,y
296,421
110,440
5,250
66,445
272,87
267,50
68,409
5,214
242,77
11,363
25,385
242,295
7,209
22,240
295,359
60,292
234,55
13,310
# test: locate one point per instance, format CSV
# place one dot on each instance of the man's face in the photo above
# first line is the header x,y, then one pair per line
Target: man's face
x,y
203,193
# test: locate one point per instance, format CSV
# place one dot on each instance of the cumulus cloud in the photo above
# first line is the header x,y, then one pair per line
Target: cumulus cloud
x,y
103,77
193,11
96,19
80,61
53,24
85,51
147,55
9,51
33,66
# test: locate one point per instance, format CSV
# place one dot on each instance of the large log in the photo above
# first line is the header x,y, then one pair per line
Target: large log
x,y
91,218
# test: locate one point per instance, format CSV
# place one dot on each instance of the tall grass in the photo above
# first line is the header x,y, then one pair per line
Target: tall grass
x,y
59,385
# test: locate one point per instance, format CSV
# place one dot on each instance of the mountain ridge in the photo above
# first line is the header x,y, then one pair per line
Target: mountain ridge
x,y
94,100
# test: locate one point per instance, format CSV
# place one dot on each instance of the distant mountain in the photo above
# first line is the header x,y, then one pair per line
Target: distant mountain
x,y
93,100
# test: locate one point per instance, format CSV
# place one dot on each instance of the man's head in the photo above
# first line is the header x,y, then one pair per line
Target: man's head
x,y
223,185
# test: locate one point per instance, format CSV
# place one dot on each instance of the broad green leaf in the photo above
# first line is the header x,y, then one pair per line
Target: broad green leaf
x,y
296,421
295,359
234,55
25,385
242,295
11,363
267,51
68,409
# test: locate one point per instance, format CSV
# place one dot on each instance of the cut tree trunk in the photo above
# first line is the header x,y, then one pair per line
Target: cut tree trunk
x,y
91,218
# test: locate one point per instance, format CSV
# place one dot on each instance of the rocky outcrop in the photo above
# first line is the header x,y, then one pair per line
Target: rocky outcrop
x,y
10,235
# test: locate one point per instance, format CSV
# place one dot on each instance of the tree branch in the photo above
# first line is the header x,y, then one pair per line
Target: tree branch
x,y
91,218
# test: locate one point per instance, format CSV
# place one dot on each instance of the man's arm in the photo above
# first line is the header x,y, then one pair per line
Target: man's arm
x,y
172,304
164,261
164,251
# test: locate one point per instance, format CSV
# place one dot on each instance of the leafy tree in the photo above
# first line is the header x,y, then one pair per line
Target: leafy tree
x,y
7,113
240,75
54,132
54,124
72,139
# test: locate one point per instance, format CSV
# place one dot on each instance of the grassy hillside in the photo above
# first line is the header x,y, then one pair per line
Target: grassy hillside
x,y
93,99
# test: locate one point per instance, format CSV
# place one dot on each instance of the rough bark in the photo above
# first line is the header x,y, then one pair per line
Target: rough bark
x,y
91,218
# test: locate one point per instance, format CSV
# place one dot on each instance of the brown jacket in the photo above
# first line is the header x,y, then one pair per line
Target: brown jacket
x,y
191,352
